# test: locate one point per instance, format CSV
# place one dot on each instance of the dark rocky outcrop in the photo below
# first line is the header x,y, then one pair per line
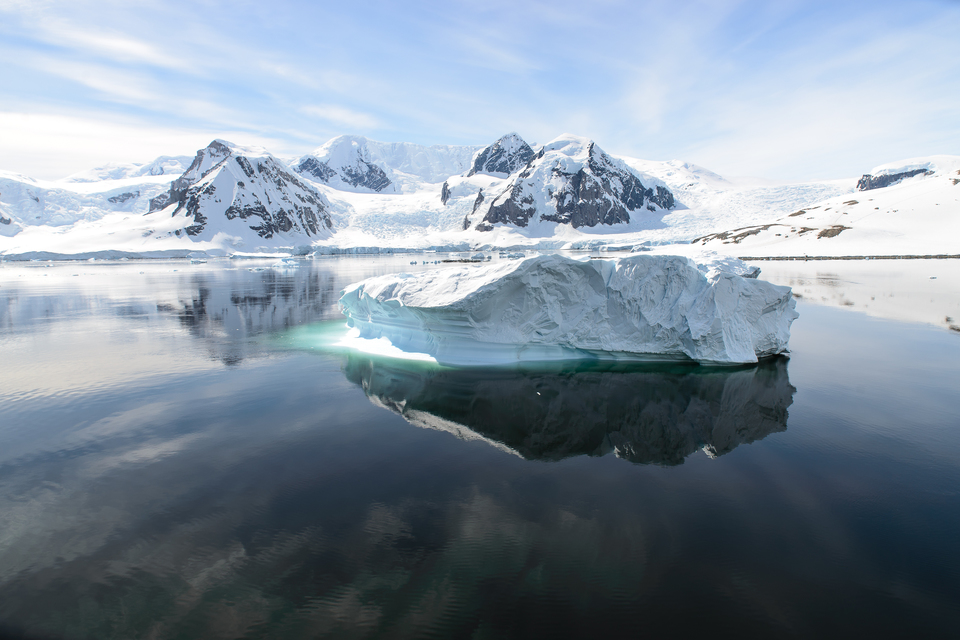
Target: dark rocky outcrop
x,y
505,156
736,236
123,197
833,231
868,182
444,193
367,175
318,169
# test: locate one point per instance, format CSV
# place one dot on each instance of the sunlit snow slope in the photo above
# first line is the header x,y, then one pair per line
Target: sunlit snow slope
x,y
903,208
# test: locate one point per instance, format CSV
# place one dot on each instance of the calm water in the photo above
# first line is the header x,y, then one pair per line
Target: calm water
x,y
179,460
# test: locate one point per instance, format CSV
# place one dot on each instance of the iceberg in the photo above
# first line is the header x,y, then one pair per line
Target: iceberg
x,y
551,307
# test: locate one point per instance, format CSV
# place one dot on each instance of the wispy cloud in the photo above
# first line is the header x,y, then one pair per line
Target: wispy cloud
x,y
113,84
794,89
341,116
50,145
118,48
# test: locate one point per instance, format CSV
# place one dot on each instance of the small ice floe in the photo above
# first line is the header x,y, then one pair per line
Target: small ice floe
x,y
197,261
286,263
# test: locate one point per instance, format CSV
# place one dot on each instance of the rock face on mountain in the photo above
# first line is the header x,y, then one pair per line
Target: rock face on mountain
x,y
868,182
505,156
226,182
572,181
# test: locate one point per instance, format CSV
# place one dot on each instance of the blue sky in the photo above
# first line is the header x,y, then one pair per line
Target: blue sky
x,y
785,90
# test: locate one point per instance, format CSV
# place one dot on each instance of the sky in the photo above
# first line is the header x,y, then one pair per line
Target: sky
x,y
784,90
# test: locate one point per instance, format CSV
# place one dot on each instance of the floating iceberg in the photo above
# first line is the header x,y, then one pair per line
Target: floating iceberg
x,y
638,307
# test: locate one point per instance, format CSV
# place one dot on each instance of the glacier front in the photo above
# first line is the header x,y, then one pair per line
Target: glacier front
x,y
552,307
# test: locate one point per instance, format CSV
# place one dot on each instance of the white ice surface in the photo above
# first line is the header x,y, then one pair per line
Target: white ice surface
x,y
640,307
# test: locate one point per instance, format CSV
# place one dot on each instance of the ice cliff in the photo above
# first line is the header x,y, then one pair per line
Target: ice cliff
x,y
640,307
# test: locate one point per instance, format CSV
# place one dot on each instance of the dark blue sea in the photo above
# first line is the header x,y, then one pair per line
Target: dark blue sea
x,y
182,457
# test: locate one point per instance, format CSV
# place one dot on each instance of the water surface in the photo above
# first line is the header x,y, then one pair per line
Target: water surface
x,y
176,463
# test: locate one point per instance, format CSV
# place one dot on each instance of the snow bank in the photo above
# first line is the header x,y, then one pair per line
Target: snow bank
x,y
639,307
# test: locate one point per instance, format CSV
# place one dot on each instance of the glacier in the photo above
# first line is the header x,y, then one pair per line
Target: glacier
x,y
551,307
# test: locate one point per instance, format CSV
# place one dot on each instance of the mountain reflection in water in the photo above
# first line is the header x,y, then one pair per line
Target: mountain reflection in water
x,y
657,414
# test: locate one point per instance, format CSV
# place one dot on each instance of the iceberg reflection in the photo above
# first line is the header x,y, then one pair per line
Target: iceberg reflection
x,y
653,415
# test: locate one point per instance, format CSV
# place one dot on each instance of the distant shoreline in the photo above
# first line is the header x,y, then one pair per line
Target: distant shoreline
x,y
938,256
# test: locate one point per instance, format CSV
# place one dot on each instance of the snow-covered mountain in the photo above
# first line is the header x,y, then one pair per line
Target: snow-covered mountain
x,y
345,163
28,203
235,190
170,166
569,194
571,181
910,207
354,163
505,156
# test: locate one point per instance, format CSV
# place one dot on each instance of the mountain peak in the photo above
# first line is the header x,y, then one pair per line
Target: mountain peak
x,y
227,182
345,163
505,156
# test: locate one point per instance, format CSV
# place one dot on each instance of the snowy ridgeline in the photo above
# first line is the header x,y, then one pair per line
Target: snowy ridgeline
x,y
353,193
640,307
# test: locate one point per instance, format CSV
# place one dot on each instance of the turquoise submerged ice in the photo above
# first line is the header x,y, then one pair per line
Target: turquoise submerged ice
x,y
639,307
